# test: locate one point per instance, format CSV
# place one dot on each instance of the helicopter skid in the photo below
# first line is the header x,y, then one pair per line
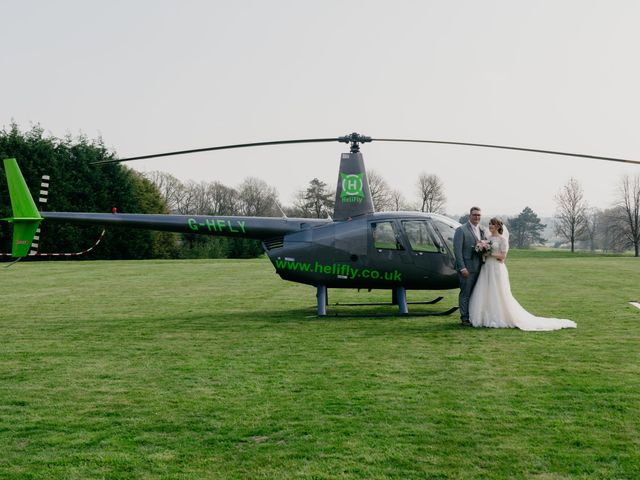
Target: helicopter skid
x,y
380,315
426,302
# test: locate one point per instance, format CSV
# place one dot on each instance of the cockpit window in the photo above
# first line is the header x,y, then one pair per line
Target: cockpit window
x,y
420,236
384,236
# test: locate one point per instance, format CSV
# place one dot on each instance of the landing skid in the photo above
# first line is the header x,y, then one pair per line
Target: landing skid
x,y
428,302
399,298
386,315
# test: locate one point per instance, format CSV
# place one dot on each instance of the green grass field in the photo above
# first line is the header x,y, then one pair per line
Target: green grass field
x,y
218,369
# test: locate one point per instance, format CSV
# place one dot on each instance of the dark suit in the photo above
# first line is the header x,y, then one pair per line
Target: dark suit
x,y
464,243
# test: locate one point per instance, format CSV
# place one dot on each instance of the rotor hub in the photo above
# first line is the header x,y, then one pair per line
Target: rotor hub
x,y
355,139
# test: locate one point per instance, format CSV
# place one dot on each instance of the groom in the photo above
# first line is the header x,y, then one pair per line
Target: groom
x,y
468,261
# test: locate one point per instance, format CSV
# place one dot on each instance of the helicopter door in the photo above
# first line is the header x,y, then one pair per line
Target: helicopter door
x,y
426,244
386,244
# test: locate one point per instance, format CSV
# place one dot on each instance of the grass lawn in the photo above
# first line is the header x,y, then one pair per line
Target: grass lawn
x,y
218,369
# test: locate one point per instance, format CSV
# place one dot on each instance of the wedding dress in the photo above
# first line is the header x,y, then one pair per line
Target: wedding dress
x,y
492,304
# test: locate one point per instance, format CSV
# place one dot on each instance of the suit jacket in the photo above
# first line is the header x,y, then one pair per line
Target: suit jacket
x,y
464,248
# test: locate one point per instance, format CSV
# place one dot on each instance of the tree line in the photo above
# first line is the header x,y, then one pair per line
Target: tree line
x,y
613,229
78,185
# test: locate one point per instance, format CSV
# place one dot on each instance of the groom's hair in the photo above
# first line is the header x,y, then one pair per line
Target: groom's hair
x,y
474,208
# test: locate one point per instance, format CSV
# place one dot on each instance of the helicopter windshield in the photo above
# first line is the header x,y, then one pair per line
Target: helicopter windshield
x,y
446,230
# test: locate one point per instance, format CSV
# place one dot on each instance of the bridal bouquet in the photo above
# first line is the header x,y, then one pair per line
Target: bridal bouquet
x,y
483,247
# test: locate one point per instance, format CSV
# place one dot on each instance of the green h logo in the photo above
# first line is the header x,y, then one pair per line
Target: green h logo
x,y
351,187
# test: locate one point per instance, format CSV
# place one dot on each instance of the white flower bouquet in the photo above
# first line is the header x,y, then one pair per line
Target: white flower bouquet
x,y
483,247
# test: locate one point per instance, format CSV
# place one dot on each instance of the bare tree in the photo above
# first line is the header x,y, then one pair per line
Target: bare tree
x,y
431,192
380,191
169,187
593,216
256,198
188,201
628,211
202,198
610,230
222,200
299,207
398,201
571,213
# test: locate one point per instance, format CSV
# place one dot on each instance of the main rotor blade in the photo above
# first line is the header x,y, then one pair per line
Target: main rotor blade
x,y
223,147
356,139
504,147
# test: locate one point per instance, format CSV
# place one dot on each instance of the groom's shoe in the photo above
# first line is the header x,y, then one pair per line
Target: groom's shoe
x,y
465,322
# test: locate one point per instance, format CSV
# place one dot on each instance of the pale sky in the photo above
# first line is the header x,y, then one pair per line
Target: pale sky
x,y
153,76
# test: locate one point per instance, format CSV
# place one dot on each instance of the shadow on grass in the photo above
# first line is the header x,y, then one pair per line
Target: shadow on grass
x,y
413,324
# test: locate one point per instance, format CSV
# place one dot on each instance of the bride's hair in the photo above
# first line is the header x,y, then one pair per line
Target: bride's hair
x,y
498,223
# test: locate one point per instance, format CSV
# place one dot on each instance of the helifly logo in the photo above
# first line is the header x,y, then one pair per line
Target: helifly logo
x,y
352,191
340,270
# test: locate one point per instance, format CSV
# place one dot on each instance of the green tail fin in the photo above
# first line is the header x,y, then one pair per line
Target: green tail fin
x,y
26,217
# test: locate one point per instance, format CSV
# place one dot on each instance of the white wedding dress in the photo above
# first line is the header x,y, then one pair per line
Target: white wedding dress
x,y
492,304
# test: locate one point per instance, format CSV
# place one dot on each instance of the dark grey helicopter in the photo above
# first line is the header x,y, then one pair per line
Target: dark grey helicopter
x,y
358,248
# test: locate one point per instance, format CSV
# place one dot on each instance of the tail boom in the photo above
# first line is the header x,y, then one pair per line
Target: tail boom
x,y
258,228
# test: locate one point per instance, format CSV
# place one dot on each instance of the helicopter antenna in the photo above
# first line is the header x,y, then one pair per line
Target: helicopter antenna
x,y
284,215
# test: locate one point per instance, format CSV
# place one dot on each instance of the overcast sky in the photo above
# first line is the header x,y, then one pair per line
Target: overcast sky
x,y
152,76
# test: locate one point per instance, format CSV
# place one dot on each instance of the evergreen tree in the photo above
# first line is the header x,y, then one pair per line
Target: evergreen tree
x,y
525,229
316,201
77,185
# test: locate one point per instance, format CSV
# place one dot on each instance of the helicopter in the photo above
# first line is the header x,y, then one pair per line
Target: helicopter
x,y
358,248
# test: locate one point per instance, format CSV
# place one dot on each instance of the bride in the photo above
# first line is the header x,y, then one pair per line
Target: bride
x,y
492,304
